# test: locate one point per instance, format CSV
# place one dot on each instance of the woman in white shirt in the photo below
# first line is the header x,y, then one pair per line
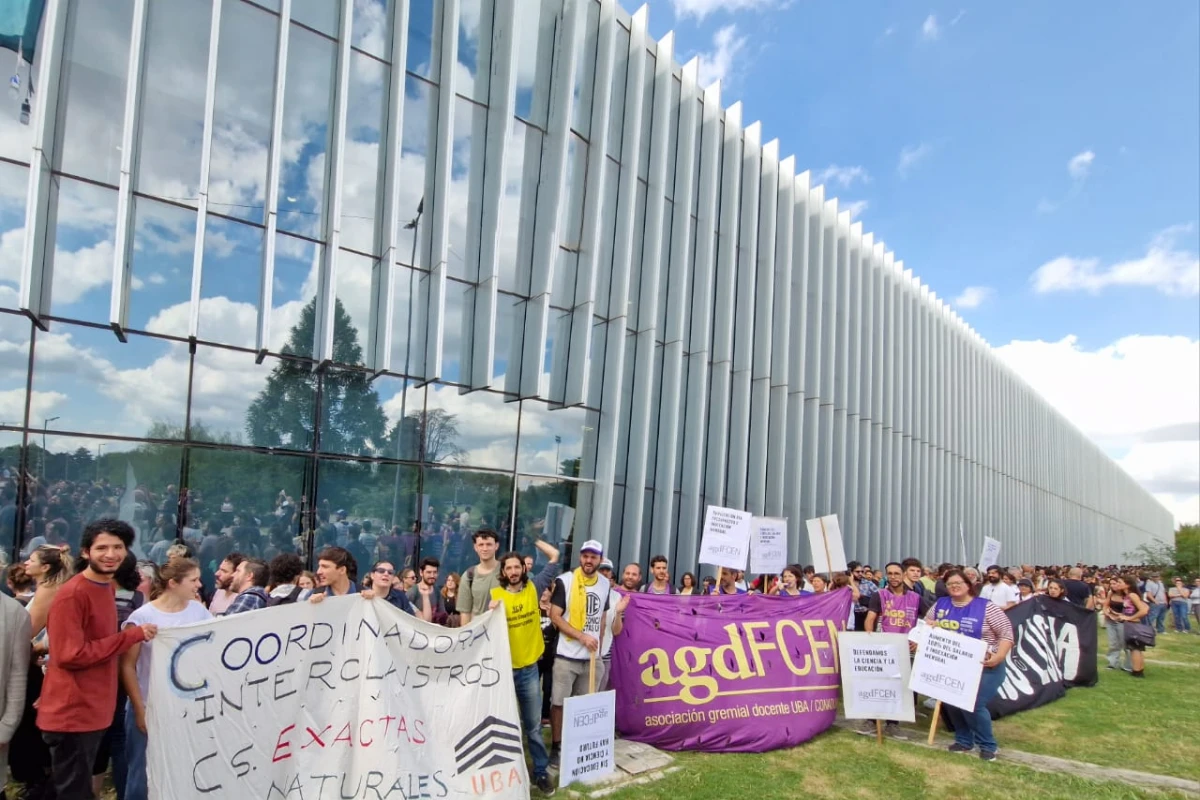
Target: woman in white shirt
x,y
172,603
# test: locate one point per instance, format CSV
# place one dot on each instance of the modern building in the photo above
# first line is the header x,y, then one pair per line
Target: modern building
x,y
280,273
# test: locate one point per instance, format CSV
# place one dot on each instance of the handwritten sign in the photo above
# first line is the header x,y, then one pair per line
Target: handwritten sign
x,y
725,541
875,670
348,698
948,667
768,545
825,543
990,554
589,738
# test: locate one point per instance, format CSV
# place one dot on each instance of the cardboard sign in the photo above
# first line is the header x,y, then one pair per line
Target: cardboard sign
x,y
726,538
990,554
948,667
768,545
559,521
825,543
589,738
875,670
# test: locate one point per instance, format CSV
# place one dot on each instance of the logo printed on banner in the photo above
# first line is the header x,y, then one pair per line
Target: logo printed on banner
x,y
492,742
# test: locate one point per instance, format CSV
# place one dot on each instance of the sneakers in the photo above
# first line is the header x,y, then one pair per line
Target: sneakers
x,y
867,728
544,785
987,755
959,748
895,731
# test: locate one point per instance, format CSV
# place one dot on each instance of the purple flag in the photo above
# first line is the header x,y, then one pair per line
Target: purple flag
x,y
730,673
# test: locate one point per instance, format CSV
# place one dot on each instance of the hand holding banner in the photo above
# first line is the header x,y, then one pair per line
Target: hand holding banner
x,y
768,545
948,668
725,541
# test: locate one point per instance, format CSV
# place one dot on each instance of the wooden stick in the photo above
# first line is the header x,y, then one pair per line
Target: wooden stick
x,y
879,731
592,674
720,575
937,715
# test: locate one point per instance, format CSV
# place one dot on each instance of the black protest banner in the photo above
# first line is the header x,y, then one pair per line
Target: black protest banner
x,y
1054,649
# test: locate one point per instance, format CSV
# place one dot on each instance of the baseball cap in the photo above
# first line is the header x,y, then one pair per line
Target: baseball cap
x,y
592,546
605,564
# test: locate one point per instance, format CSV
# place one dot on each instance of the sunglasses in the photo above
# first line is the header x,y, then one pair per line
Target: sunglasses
x,y
385,571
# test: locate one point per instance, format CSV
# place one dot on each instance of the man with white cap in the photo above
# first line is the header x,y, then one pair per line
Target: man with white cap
x,y
577,608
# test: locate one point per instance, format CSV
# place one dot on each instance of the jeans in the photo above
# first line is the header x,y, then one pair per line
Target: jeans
x,y
1179,610
71,759
528,684
1118,654
975,727
136,787
1157,618
1196,614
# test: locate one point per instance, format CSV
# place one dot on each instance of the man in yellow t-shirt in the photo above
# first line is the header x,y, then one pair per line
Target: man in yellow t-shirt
x,y
520,594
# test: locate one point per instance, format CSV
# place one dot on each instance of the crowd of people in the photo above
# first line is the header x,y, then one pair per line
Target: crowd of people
x,y
78,615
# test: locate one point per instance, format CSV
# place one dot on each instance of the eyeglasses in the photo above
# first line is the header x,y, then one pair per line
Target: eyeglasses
x,y
955,584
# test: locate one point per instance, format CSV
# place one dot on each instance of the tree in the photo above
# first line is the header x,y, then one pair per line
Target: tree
x,y
1181,558
284,413
436,429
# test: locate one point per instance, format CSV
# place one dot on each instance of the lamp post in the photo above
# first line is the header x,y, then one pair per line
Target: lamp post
x,y
557,455
99,452
45,425
412,225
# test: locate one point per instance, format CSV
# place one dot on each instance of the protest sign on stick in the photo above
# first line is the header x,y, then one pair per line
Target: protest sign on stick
x,y
825,543
948,667
768,545
875,672
589,737
989,555
725,541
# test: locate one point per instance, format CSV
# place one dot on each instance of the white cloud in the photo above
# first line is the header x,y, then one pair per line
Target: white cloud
x,y
841,176
930,31
911,155
718,63
1138,398
888,31
958,17
1166,266
1080,165
702,8
855,207
1044,206
973,297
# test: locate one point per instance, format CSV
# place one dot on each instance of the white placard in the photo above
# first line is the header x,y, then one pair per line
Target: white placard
x,y
768,545
559,520
299,700
725,541
919,632
589,738
990,554
948,667
825,536
875,671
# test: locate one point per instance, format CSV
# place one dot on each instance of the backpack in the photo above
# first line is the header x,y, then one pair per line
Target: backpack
x,y
281,600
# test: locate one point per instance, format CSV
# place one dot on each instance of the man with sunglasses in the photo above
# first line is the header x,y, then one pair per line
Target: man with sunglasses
x,y
381,576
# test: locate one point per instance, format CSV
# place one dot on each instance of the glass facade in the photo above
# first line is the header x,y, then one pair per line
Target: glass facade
x,y
280,274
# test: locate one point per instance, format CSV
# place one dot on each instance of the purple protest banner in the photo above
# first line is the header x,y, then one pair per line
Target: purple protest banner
x,y
730,673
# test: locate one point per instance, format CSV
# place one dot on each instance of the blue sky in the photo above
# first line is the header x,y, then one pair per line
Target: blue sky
x,y
990,141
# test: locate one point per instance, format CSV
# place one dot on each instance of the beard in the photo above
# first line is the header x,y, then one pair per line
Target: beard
x,y
993,579
100,569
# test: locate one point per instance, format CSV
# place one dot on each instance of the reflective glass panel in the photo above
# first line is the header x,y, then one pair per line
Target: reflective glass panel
x,y
242,111
462,501
371,27
466,188
83,218
229,282
101,385
477,429
548,508
13,180
420,117
294,290
320,15
237,401
512,226
367,508
171,119
474,49
353,421
362,163
424,18
92,94
552,440
353,308
307,112
163,249
14,372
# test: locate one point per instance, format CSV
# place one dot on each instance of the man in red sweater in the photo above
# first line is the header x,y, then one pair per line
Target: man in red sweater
x,y
79,693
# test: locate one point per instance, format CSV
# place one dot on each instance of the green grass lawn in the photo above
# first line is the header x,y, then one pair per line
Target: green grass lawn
x,y
1120,722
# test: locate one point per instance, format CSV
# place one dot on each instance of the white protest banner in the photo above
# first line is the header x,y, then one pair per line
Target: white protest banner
x,y
559,520
345,698
990,554
589,738
948,667
825,543
768,545
875,670
725,541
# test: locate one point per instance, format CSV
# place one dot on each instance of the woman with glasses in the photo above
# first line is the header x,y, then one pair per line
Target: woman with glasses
x,y
978,618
